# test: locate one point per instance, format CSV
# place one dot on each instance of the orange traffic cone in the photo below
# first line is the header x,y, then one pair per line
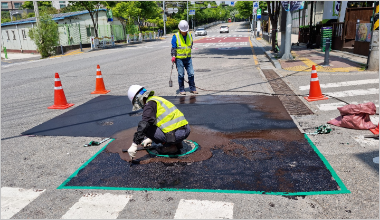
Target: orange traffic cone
x,y
99,87
59,96
315,92
375,130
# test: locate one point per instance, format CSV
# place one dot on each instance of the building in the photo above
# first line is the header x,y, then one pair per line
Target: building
x,y
59,4
11,5
73,27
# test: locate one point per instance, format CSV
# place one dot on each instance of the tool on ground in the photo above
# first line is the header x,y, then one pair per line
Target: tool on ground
x,y
315,92
60,101
99,86
170,81
95,143
323,129
374,136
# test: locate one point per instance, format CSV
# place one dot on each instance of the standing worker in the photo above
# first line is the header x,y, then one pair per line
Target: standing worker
x,y
182,43
161,122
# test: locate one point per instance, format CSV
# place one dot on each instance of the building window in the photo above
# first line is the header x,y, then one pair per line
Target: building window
x,y
62,6
62,2
14,35
7,35
17,5
23,34
4,5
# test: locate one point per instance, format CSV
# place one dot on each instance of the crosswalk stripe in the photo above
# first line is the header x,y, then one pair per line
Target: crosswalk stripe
x,y
354,92
97,206
348,83
15,199
335,105
197,209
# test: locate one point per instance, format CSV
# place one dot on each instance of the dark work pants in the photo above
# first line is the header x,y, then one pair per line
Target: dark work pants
x,y
157,136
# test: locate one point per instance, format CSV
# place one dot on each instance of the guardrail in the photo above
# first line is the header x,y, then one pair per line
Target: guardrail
x,y
96,42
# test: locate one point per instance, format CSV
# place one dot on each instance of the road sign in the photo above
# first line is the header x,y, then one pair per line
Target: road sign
x,y
191,12
258,13
256,5
255,11
175,10
232,3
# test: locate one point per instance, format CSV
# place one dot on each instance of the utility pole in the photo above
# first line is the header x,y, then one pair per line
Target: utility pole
x,y
253,14
288,39
187,11
373,57
283,31
36,12
164,15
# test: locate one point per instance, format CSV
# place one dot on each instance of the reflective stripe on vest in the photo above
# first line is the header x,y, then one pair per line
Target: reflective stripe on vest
x,y
168,117
183,48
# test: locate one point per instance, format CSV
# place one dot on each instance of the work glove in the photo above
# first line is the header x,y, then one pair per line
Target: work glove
x,y
132,150
147,142
173,59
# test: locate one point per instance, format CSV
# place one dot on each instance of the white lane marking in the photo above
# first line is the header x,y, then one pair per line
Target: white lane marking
x,y
354,92
196,209
15,199
348,83
335,105
97,206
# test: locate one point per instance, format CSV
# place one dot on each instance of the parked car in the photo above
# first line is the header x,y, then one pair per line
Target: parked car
x,y
224,29
200,32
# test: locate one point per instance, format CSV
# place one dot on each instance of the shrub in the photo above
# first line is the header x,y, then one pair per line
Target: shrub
x,y
45,35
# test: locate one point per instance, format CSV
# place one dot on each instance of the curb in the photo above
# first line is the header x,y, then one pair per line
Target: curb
x,y
273,60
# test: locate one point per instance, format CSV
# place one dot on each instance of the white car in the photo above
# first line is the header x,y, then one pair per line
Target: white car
x,y
224,29
200,32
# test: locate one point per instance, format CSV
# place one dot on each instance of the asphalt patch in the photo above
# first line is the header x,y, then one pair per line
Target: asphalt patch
x,y
107,115
247,144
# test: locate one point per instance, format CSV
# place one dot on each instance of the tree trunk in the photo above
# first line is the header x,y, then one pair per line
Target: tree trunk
x,y
274,29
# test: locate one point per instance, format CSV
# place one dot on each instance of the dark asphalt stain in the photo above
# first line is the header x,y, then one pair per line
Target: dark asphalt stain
x,y
259,165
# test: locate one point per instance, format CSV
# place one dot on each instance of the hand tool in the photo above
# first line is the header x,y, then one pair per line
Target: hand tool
x,y
170,81
95,143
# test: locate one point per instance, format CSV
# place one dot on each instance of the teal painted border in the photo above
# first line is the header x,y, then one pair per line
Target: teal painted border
x,y
335,176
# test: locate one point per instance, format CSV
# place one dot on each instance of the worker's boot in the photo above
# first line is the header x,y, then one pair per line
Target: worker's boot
x,y
192,85
168,149
181,84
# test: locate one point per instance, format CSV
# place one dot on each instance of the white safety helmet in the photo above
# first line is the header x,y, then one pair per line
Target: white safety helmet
x,y
136,94
183,26
132,91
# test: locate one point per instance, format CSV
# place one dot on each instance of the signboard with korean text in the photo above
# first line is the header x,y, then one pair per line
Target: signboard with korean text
x,y
191,12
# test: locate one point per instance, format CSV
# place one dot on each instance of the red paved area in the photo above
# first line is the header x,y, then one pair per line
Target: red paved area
x,y
223,40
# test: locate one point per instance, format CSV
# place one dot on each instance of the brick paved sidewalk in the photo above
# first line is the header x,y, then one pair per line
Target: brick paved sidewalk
x,y
304,59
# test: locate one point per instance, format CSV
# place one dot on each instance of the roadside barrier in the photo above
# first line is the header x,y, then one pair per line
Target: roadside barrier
x,y
315,92
99,86
95,41
128,40
60,101
140,37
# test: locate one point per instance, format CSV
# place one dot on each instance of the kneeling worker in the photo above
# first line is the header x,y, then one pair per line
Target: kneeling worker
x,y
161,121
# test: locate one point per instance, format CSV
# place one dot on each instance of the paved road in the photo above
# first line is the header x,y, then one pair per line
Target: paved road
x,y
33,167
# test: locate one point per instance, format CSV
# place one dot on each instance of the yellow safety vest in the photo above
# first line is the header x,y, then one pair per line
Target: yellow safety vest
x,y
183,49
168,117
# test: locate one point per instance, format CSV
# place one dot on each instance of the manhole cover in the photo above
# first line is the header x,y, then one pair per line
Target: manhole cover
x,y
188,148
202,70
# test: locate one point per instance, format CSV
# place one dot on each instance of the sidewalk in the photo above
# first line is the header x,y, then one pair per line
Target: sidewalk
x,y
304,59
20,56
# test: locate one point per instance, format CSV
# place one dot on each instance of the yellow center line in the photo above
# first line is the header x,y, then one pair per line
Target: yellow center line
x,y
253,52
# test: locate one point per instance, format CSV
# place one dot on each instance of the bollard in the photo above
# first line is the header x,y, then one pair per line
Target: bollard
x,y
80,46
5,53
61,49
327,50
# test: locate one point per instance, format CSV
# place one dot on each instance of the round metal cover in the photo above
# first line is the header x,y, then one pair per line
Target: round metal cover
x,y
189,147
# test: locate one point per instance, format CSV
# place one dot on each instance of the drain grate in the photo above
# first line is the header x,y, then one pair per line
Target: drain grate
x,y
292,103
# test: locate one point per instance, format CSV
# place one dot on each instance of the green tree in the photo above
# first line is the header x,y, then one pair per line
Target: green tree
x,y
93,8
273,12
45,35
40,4
72,8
